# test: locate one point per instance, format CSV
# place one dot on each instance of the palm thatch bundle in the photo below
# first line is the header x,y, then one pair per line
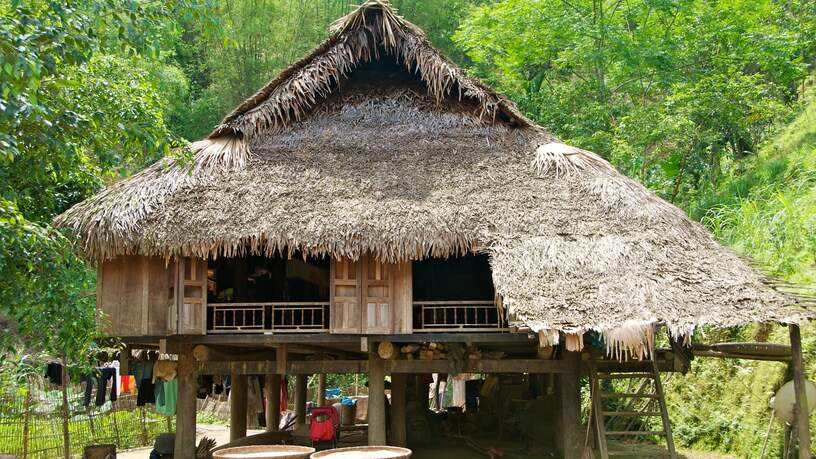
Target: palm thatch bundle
x,y
375,143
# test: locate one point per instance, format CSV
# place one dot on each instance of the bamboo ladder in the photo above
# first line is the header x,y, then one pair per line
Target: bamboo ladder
x,y
604,418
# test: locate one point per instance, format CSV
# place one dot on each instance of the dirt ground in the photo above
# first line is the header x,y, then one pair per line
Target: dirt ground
x,y
446,449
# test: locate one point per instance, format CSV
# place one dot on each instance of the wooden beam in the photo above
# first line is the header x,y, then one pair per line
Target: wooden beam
x,y
326,339
238,406
399,384
209,353
391,366
186,406
800,409
570,406
300,400
376,399
272,391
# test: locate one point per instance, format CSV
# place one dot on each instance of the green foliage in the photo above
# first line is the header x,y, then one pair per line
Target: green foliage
x,y
668,90
79,107
765,207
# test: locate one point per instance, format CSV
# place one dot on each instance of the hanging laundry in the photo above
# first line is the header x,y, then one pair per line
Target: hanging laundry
x,y
100,376
146,393
166,396
127,384
53,371
284,396
143,373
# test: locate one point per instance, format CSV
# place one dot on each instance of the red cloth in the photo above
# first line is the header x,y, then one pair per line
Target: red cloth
x,y
284,395
324,423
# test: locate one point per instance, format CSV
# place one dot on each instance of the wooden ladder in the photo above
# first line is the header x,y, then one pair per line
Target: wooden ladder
x,y
635,408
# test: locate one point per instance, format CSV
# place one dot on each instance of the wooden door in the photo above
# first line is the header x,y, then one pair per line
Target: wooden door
x,y
345,297
191,296
378,288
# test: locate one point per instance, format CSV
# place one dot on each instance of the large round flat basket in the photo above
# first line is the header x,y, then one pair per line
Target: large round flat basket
x,y
364,452
265,452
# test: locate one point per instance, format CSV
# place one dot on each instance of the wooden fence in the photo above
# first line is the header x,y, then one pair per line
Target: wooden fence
x,y
31,423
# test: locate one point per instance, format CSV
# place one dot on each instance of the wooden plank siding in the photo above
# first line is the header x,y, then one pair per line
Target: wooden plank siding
x,y
146,296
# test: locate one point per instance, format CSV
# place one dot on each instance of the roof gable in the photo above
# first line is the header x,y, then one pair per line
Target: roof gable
x,y
371,32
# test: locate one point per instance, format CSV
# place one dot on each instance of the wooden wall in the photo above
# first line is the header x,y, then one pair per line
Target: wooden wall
x,y
139,297
370,297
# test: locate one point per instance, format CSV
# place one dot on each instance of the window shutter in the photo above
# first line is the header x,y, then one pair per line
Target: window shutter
x,y
378,287
191,296
345,297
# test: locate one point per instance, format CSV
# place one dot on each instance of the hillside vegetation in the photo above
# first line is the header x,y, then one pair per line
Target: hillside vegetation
x,y
764,208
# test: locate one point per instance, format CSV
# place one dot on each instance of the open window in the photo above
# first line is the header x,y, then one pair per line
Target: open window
x,y
454,294
260,294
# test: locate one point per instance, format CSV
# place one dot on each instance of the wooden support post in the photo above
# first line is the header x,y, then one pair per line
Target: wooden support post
x,y
399,384
376,399
800,407
124,361
272,390
321,389
238,406
186,405
300,400
570,406
281,356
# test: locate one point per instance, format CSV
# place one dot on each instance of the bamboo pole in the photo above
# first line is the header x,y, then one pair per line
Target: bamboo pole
x,y
27,420
66,435
801,406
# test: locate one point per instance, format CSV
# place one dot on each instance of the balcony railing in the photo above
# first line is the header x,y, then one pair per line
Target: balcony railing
x,y
457,316
294,317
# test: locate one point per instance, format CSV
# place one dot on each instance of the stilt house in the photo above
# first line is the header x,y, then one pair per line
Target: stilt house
x,y
374,192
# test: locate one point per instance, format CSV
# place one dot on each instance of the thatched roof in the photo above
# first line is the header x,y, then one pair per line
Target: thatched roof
x,y
375,143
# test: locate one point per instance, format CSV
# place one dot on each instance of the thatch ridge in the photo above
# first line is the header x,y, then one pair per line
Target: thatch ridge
x,y
357,38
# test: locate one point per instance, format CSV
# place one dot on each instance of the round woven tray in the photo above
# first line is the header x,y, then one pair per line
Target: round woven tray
x,y
265,452
364,452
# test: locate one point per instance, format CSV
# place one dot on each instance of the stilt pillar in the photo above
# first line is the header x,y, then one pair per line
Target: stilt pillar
x,y
376,399
272,394
570,406
300,400
186,405
321,389
399,385
238,406
800,407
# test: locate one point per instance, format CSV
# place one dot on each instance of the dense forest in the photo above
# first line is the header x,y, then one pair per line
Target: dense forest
x,y
707,102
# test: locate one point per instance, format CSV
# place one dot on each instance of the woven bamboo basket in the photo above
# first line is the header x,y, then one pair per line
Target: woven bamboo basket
x,y
265,452
364,452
